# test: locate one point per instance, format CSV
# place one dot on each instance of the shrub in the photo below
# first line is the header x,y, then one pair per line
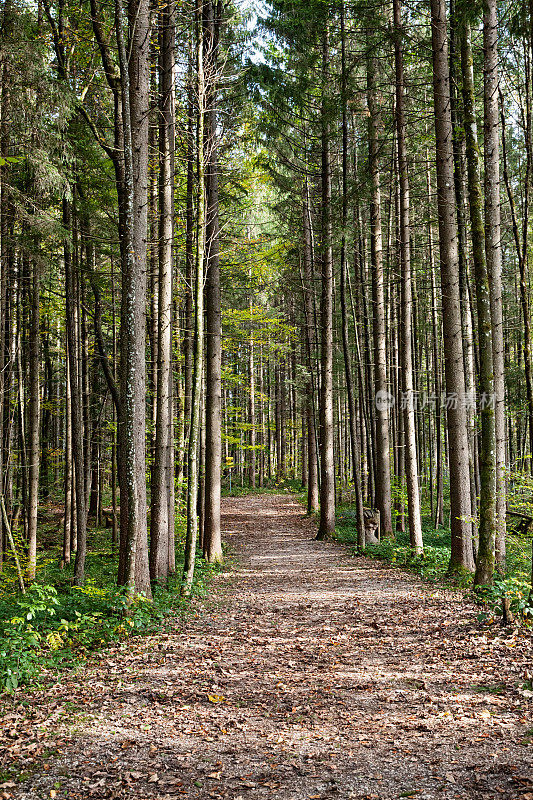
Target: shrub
x,y
516,591
47,629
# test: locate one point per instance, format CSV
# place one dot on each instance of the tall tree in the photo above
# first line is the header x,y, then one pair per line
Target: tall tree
x,y
460,505
76,404
135,97
408,400
383,481
487,457
198,351
33,412
354,433
310,347
493,248
162,514
212,542
327,472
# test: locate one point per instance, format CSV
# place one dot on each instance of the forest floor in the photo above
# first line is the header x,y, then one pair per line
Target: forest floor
x,y
309,674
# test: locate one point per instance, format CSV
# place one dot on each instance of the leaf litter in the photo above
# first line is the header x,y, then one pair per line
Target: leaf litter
x,y
308,675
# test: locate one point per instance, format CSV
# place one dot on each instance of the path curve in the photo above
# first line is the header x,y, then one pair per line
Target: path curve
x,y
312,674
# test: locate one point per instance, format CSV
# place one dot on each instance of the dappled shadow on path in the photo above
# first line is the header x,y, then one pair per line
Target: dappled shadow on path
x,y
312,675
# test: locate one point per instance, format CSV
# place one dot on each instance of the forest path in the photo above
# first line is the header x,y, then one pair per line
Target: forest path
x,y
312,674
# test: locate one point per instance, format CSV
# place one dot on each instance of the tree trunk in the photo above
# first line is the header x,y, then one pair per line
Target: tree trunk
x,y
76,406
135,95
411,461
327,477
188,333
251,375
487,456
354,435
212,544
460,503
524,280
162,514
307,289
196,399
493,250
68,465
383,482
33,417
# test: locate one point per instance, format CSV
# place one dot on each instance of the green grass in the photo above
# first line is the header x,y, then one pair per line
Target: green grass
x,y
280,486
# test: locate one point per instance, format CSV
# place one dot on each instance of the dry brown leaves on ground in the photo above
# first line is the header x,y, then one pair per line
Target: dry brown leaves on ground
x,y
311,675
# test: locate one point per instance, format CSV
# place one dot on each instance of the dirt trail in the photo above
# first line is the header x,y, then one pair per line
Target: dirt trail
x,y
312,675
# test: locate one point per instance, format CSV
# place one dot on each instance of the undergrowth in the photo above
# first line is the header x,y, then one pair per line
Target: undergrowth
x,y
509,593
56,625
281,485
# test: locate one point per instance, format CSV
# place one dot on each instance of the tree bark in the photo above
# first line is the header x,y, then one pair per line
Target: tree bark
x,y
212,543
493,251
524,278
135,96
68,465
408,400
460,503
162,513
76,406
196,399
354,434
188,332
33,417
251,387
487,456
383,482
307,289
327,476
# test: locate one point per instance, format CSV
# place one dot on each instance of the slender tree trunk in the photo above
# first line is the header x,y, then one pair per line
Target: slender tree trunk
x,y
304,472
487,456
439,488
68,466
135,95
76,405
459,155
84,375
153,217
262,418
188,333
162,515
460,503
212,544
196,400
354,436
251,375
46,421
493,249
524,281
33,418
307,288
201,467
411,461
5,247
327,477
383,483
